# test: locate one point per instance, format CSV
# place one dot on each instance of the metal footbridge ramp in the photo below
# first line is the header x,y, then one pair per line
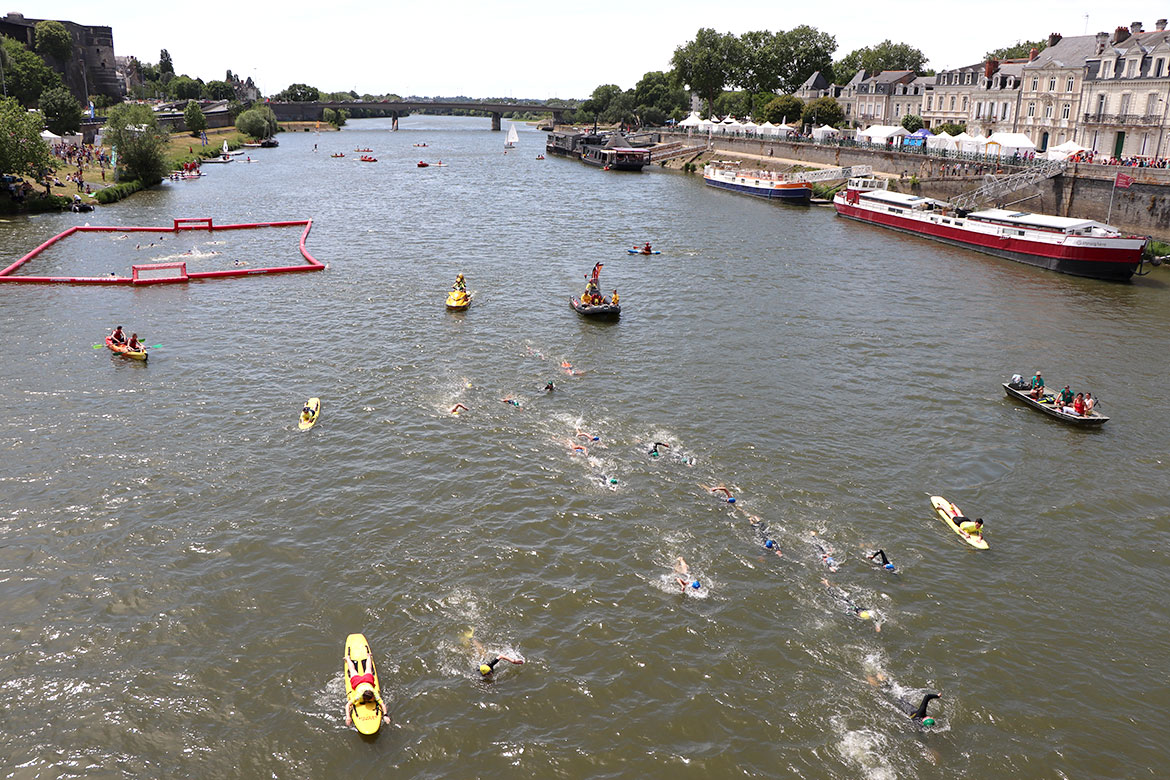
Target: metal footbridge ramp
x,y
995,187
669,151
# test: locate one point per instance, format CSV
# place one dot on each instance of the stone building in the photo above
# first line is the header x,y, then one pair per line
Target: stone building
x,y
90,71
1126,91
949,100
817,86
871,101
908,98
994,101
1050,93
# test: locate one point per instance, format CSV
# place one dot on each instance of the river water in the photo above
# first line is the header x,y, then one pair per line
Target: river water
x,y
181,565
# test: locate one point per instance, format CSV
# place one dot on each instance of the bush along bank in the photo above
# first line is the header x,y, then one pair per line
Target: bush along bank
x,y
36,203
116,192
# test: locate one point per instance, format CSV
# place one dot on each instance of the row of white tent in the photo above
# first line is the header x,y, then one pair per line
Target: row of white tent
x,y
731,124
996,144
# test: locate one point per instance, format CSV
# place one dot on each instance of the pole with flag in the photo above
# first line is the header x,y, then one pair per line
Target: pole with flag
x,y
1121,180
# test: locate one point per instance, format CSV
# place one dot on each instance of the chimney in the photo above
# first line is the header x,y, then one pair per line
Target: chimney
x,y
1160,25
1102,39
1135,27
1053,39
1119,35
1033,54
990,68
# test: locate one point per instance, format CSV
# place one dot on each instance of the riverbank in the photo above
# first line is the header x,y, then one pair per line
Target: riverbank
x,y
305,127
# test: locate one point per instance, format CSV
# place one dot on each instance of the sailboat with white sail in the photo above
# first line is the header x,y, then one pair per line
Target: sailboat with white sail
x,y
513,138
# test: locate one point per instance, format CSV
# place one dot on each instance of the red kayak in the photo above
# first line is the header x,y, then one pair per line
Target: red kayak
x,y
125,351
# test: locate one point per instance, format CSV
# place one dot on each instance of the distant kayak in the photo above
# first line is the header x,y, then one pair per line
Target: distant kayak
x,y
640,252
309,418
125,351
947,512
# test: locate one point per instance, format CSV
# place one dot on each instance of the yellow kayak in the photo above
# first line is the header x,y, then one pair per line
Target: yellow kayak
x,y
367,716
948,512
459,300
309,414
125,351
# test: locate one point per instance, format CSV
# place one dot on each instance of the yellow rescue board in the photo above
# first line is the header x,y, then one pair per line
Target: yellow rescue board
x,y
947,512
457,300
309,419
367,718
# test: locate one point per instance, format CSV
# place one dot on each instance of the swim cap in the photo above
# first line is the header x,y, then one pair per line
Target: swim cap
x,y
696,584
863,614
928,721
769,544
890,566
596,438
731,499
484,669
612,481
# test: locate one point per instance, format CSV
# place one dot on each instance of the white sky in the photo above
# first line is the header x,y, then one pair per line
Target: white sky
x,y
530,49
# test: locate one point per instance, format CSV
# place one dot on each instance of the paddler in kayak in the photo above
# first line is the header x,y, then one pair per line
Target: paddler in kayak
x,y
646,249
133,344
118,337
363,691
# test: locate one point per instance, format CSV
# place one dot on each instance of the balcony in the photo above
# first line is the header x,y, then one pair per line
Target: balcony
x,y
1126,120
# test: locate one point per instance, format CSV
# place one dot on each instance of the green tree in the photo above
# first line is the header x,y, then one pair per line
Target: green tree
x,y
22,150
822,111
801,52
782,109
219,90
912,123
194,119
655,89
26,75
754,61
166,68
704,65
1019,50
598,103
886,55
53,40
300,93
950,128
62,111
184,88
651,116
257,122
733,104
131,129
621,109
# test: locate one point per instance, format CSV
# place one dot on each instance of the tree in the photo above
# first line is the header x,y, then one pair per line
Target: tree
x,y
166,68
887,55
53,40
219,90
22,150
950,128
132,130
754,62
26,75
656,90
185,88
704,65
822,111
732,104
801,52
621,109
194,119
258,122
598,102
62,111
1020,50
783,108
300,93
912,123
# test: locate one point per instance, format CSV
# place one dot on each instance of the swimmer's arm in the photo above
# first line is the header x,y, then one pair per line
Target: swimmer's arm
x,y
348,710
510,660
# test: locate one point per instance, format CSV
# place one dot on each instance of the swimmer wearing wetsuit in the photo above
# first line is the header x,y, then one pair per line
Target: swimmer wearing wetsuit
x,y
885,562
654,453
919,714
488,667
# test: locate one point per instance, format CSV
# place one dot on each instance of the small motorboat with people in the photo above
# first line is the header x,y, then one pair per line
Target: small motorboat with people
x,y
269,143
339,154
420,146
592,303
1063,408
540,156
459,299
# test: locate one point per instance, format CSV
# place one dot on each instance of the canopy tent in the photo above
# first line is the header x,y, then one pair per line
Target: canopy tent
x,y
691,121
750,126
969,143
730,120
883,134
785,129
767,129
824,131
50,137
944,141
921,132
1007,144
1064,151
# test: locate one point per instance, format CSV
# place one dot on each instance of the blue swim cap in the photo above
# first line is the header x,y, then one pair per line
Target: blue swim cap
x,y
731,499
696,584
596,438
890,566
769,544
613,480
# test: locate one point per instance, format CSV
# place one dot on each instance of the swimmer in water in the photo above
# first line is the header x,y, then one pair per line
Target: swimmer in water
x,y
861,612
761,529
919,713
577,449
511,401
487,668
720,489
458,408
654,453
587,436
682,570
885,562
549,387
831,563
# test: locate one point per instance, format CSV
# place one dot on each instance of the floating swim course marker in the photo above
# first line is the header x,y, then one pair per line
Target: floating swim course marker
x,y
202,223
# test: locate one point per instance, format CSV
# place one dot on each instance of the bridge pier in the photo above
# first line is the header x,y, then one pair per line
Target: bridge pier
x,y
394,121
496,116
558,118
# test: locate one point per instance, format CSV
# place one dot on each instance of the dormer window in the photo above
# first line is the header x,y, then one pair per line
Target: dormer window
x,y
1131,69
1159,65
1106,69
968,79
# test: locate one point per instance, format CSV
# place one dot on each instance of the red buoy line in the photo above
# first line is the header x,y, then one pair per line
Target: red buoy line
x,y
199,223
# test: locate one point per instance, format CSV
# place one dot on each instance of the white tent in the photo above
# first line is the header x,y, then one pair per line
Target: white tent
x,y
691,121
824,131
785,130
883,134
1008,144
969,143
767,129
942,141
750,127
730,120
50,137
1065,150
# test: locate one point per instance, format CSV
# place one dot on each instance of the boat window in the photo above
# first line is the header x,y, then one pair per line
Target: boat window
x,y
946,222
959,223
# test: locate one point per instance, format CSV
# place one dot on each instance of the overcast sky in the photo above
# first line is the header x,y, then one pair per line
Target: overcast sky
x,y
529,49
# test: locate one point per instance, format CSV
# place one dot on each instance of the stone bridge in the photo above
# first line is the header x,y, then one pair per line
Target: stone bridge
x,y
308,112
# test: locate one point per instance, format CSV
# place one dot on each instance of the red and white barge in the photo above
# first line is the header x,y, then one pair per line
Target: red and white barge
x,y
1080,247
